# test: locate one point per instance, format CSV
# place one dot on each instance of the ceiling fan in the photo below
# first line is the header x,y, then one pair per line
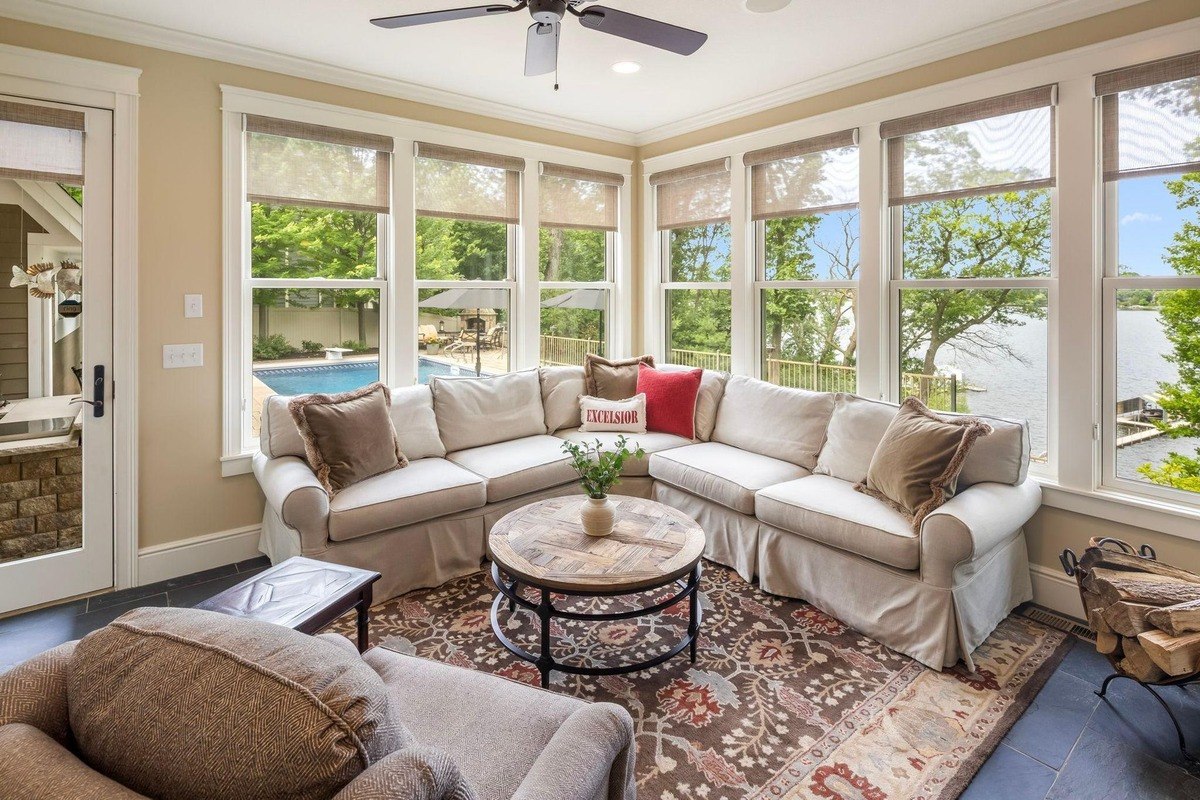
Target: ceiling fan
x,y
541,44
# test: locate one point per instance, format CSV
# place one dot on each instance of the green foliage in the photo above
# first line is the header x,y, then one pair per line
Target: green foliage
x,y
271,348
700,319
599,469
454,249
355,345
310,347
1179,311
572,255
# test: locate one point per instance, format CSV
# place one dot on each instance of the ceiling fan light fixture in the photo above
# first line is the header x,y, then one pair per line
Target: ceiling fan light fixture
x,y
765,6
626,67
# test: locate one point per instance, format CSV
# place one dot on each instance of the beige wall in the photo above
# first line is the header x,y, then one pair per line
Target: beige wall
x,y
182,493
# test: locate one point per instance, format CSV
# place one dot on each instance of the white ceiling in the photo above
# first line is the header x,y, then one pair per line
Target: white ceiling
x,y
751,61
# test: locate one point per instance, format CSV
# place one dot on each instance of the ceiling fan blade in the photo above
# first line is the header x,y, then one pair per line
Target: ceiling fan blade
x,y
541,48
409,20
641,29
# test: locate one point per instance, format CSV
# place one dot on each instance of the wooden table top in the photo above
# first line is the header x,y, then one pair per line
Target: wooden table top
x,y
543,544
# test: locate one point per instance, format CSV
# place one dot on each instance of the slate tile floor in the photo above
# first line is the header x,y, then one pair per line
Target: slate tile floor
x,y
1069,744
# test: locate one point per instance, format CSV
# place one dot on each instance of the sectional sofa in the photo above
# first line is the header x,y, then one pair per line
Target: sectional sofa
x,y
770,477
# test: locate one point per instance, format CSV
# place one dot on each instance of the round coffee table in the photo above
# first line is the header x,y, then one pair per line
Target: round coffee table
x,y
543,546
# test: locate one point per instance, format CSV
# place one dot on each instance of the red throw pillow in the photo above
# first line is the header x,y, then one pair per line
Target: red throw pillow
x,y
670,400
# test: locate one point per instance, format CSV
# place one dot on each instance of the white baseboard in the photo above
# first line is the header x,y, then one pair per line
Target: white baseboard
x,y
162,562
1055,591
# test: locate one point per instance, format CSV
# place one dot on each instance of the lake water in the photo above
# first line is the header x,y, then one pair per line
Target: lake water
x,y
1016,382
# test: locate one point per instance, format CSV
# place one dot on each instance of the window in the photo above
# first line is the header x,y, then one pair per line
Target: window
x,y
971,193
693,220
1151,162
317,202
468,207
804,204
578,226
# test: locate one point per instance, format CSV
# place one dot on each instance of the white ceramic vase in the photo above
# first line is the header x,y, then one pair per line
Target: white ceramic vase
x,y
597,516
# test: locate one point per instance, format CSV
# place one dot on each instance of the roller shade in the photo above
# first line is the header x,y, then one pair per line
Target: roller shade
x,y
39,143
1000,144
298,164
694,195
811,176
465,184
1150,119
571,197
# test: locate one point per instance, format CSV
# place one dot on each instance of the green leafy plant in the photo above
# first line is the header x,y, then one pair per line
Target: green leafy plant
x,y
356,346
270,348
599,469
311,347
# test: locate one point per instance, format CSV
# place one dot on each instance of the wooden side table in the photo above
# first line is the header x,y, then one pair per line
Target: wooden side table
x,y
302,594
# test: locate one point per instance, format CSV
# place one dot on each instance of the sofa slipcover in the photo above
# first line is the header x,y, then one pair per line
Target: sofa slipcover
x,y
829,510
760,417
561,388
425,489
474,412
651,442
518,467
721,473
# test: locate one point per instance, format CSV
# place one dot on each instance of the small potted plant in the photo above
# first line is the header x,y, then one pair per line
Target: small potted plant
x,y
599,470
433,346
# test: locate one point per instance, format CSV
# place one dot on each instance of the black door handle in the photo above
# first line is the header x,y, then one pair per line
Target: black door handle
x,y
97,401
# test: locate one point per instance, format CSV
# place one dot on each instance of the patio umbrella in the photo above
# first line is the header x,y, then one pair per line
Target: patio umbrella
x,y
585,299
469,297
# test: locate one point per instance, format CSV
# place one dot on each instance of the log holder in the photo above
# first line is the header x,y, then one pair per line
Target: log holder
x,y
1070,564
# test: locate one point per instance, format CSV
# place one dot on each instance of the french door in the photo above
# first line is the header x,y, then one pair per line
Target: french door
x,y
56,346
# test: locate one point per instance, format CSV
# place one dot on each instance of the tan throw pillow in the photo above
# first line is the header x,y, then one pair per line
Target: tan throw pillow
x,y
348,437
612,380
916,465
180,703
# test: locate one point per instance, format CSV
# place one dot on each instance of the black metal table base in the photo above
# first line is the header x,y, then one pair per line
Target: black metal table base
x,y
688,588
1103,691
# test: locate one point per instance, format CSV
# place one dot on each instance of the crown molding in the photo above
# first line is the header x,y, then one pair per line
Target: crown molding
x,y
1011,27
58,15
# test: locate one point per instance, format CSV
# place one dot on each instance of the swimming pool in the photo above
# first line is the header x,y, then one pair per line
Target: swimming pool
x,y
334,378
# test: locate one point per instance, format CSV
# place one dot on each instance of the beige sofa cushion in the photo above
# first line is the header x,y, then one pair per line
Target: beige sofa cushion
x,y
174,702
858,424
650,442
412,417
431,487
519,466
561,389
787,424
721,473
473,412
828,510
708,399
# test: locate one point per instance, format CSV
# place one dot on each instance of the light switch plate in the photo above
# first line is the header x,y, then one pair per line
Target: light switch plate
x,y
178,356
193,305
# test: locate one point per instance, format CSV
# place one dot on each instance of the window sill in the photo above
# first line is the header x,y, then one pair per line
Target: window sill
x,y
1176,519
240,464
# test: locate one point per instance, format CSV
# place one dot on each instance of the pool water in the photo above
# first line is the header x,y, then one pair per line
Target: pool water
x,y
333,378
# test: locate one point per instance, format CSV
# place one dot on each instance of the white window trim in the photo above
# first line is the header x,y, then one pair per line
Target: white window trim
x,y
1075,386
400,298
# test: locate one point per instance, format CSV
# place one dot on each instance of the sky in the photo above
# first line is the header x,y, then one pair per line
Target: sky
x,y
1148,220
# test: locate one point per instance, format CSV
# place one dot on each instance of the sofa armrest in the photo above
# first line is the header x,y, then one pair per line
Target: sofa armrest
x,y
297,496
414,773
35,693
34,766
590,755
972,524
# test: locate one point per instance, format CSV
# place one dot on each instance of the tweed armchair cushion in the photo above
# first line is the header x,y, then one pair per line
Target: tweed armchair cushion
x,y
35,767
35,693
415,773
180,703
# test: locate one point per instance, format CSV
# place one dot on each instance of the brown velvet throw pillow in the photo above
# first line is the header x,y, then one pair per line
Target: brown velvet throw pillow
x,y
348,437
915,467
612,380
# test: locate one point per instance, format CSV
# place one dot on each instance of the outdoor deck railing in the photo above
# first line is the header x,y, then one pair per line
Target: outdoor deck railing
x,y
564,351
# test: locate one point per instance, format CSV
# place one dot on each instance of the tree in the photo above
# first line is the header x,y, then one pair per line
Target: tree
x,y
1179,312
699,319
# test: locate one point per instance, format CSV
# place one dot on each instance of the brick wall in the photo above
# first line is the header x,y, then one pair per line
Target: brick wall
x,y
41,502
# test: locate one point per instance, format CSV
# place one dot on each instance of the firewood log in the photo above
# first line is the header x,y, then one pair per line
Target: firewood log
x,y
1128,619
1177,619
1105,558
1091,602
1107,642
1138,663
1156,590
1176,655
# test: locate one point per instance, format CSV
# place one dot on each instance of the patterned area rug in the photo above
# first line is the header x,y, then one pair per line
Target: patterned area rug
x,y
783,701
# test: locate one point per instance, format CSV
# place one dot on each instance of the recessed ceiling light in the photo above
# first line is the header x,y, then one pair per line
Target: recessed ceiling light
x,y
765,6
626,67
